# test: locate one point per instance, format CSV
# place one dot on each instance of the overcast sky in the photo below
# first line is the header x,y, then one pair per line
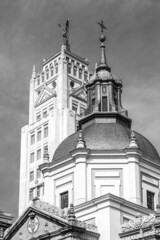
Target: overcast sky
x,y
29,32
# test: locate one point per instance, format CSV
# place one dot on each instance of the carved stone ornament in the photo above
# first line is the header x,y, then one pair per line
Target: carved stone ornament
x,y
33,225
71,113
140,222
50,208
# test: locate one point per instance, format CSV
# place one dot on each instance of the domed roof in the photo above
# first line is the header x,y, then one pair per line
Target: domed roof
x,y
103,74
106,136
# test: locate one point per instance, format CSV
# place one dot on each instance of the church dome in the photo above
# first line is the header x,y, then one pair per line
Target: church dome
x,y
106,136
106,126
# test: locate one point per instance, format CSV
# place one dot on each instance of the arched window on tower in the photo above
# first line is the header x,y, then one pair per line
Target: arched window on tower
x,y
38,80
69,68
75,71
56,67
47,74
51,69
85,76
42,77
80,73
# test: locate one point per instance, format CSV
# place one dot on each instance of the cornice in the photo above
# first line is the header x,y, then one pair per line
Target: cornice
x,y
112,198
71,54
106,115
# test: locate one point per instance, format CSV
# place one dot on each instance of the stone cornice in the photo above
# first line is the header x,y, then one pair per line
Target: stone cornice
x,y
98,116
76,57
50,59
110,198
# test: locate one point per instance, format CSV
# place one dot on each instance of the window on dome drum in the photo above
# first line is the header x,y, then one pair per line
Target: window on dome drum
x,y
75,71
104,104
38,154
64,199
150,200
45,131
69,68
32,157
31,176
31,194
38,117
39,134
32,139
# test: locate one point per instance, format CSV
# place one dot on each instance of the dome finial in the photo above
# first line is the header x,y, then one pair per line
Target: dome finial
x,y
102,38
80,141
133,140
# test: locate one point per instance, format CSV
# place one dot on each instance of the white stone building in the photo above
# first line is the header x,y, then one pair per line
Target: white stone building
x,y
107,170
57,100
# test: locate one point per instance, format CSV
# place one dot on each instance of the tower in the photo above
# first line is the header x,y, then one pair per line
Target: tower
x,y
57,100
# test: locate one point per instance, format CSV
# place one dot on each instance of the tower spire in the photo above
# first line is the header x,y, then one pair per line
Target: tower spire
x,y
102,38
34,71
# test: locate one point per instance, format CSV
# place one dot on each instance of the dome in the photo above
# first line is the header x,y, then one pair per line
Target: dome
x,y
103,74
106,136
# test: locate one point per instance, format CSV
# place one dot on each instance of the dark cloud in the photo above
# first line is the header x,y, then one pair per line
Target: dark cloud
x,y
29,32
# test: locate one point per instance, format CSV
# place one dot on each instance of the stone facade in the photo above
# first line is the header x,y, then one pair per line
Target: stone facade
x,y
42,220
142,227
57,100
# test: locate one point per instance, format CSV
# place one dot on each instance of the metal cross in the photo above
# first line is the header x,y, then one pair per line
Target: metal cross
x,y
101,24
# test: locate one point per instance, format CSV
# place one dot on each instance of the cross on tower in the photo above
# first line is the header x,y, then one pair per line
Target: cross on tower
x,y
101,24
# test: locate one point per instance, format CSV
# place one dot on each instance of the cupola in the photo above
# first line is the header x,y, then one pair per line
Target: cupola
x,y
104,90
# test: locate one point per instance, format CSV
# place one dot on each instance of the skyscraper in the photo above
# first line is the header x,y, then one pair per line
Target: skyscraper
x,y
57,100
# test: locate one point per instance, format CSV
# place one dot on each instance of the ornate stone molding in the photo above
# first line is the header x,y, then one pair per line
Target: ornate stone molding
x,y
140,222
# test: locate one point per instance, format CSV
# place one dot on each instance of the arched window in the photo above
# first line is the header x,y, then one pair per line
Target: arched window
x,y
85,76
56,67
51,69
42,76
38,80
75,71
69,68
80,73
47,74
